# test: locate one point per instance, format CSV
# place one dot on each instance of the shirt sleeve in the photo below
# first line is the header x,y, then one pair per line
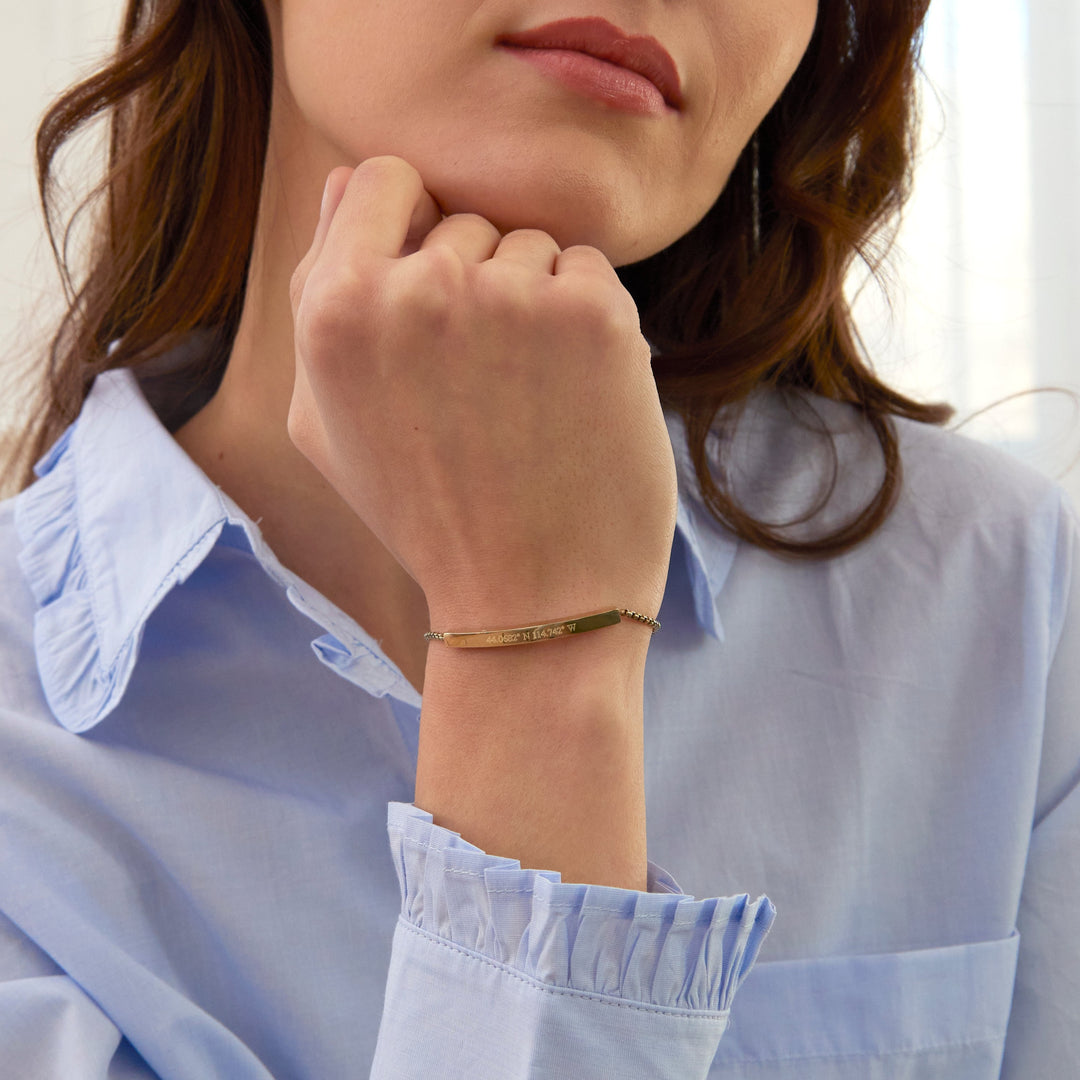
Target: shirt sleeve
x,y
1043,1038
50,1029
513,974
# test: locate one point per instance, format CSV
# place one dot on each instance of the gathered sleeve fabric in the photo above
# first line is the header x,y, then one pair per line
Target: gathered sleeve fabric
x,y
512,973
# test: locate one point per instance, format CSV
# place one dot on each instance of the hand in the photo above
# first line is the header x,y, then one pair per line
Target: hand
x,y
485,404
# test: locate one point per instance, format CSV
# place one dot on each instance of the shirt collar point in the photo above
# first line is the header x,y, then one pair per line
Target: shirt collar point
x,y
710,547
94,550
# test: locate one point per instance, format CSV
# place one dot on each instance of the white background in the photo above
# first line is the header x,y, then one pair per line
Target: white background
x,y
986,273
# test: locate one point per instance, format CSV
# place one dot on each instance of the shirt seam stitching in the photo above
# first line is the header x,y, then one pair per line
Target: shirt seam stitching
x,y
155,596
711,1015
932,1047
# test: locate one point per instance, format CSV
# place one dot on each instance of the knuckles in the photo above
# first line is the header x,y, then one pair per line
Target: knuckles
x,y
334,309
596,308
431,285
340,310
296,285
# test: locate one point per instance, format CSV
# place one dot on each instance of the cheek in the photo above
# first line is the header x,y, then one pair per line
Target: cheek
x,y
302,42
341,58
759,46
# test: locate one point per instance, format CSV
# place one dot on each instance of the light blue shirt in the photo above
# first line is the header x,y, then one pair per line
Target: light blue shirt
x,y
211,868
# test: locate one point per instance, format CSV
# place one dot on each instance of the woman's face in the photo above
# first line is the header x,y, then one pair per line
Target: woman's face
x,y
493,135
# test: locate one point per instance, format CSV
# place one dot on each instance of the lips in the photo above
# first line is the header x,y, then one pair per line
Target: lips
x,y
599,38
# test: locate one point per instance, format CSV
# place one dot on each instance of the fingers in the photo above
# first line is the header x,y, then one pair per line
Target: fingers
x,y
336,183
383,205
332,193
476,240
382,209
530,247
473,237
386,189
582,259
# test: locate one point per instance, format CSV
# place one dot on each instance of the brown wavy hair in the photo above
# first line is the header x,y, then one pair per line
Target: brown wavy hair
x,y
752,296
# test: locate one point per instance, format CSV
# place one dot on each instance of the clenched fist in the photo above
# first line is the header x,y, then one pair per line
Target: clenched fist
x,y
484,403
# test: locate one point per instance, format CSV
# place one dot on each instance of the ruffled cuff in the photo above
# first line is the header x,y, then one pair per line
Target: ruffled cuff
x,y
658,948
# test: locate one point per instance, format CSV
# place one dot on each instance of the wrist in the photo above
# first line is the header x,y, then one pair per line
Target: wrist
x,y
609,661
535,751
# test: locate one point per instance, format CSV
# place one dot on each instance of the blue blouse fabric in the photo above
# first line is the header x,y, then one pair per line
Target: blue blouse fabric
x,y
195,880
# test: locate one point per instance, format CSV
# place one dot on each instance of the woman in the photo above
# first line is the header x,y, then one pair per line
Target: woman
x,y
363,359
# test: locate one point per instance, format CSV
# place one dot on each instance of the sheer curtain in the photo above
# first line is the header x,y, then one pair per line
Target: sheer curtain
x,y
985,272
44,46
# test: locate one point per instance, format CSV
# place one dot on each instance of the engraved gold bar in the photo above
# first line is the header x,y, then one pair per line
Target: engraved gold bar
x,y
540,632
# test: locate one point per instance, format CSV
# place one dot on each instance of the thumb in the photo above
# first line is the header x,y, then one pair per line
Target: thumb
x,y
336,183
333,191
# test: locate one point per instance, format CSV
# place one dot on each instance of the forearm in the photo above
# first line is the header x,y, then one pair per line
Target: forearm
x,y
536,752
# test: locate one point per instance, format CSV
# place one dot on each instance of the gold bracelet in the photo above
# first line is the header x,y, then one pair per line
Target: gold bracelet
x,y
483,639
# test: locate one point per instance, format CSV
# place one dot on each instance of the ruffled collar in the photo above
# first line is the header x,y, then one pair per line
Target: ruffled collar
x,y
120,514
